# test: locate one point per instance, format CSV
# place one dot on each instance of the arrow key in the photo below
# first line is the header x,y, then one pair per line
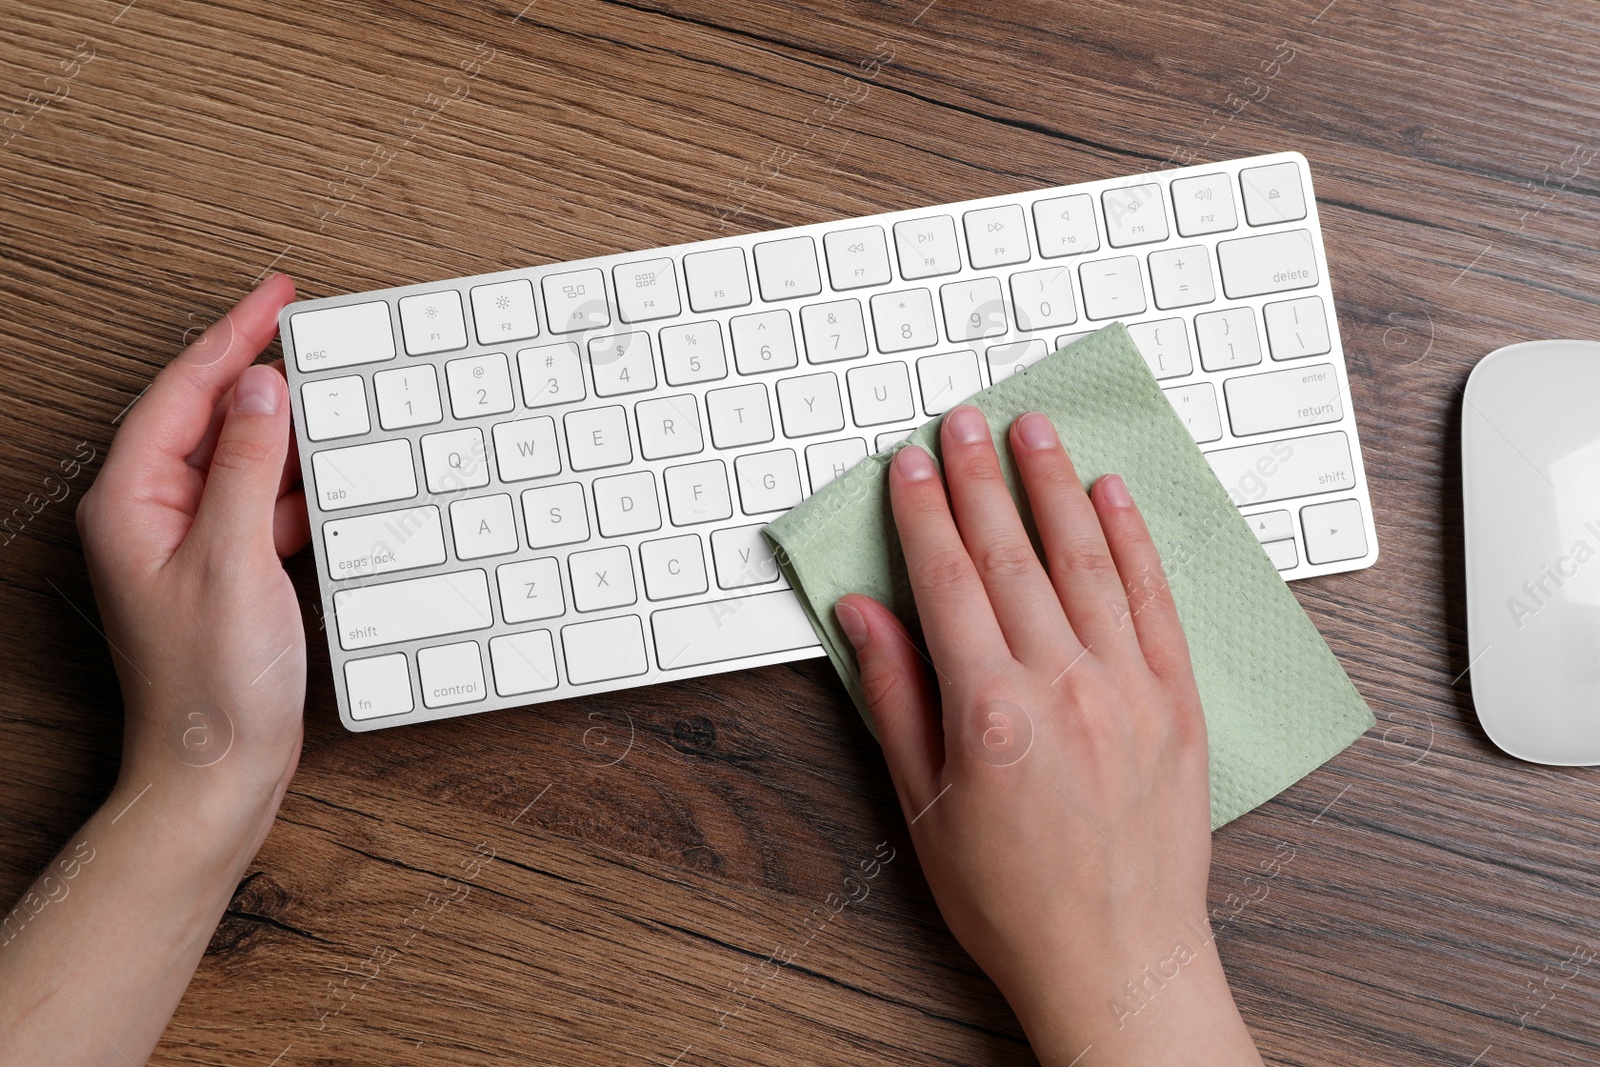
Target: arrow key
x,y
1334,531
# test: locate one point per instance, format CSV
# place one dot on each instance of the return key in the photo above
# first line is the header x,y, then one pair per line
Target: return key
x,y
1282,400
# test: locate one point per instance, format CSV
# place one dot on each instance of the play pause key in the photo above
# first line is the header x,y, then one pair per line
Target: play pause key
x,y
1334,531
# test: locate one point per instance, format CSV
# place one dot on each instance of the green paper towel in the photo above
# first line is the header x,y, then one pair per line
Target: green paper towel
x,y
1277,702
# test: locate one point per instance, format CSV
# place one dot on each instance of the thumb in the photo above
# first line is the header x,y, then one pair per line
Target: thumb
x,y
246,467
903,706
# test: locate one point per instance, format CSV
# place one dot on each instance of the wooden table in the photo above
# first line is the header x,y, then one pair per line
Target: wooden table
x,y
1421,900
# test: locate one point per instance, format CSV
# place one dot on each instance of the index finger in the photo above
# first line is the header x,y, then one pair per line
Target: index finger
x,y
170,420
958,621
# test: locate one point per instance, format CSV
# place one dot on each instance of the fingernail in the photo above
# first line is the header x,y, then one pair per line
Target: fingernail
x,y
915,464
966,424
257,391
852,623
1115,492
1034,431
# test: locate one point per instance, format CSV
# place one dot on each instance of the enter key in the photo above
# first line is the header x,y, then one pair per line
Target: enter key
x,y
1283,400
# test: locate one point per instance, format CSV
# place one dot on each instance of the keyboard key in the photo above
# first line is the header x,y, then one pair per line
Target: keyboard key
x,y
483,526
551,374
669,426
451,674
1204,204
523,663
717,279
828,460
1282,554
335,407
1278,470
576,300
973,309
1271,525
810,405
480,385
342,336
555,515
763,342
834,331
673,567
504,311
455,460
597,437
693,353
1069,338
1134,215
927,247
1228,339
412,610
1334,531
378,686
1066,225
1165,347
623,363
602,578
363,474
880,394
530,589
1008,359
739,415
1196,405
857,257
996,236
1273,194
1297,328
886,441
364,545
948,379
527,449
788,268
1271,263
433,323
1112,288
604,650
407,396
698,492
627,504
1041,299
742,627
743,557
1181,277
768,481
904,320
1283,399
646,290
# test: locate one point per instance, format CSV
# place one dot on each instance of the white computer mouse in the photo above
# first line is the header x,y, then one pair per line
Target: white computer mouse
x,y
1530,482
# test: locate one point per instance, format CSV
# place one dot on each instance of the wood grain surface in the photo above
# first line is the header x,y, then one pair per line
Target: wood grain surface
x,y
1421,900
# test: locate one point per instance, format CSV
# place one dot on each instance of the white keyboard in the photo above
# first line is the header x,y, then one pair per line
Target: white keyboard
x,y
541,483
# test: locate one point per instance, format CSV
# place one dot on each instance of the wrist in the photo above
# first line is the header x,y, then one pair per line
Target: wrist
x,y
1173,1007
211,816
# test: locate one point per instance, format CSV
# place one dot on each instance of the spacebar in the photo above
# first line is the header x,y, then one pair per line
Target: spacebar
x,y
731,629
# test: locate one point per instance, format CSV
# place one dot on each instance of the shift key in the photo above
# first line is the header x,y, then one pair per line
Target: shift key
x,y
1279,470
412,610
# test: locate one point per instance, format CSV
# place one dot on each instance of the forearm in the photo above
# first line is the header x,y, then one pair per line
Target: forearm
x,y
96,955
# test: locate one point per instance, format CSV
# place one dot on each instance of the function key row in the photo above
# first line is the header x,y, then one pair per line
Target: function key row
x,y
790,268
